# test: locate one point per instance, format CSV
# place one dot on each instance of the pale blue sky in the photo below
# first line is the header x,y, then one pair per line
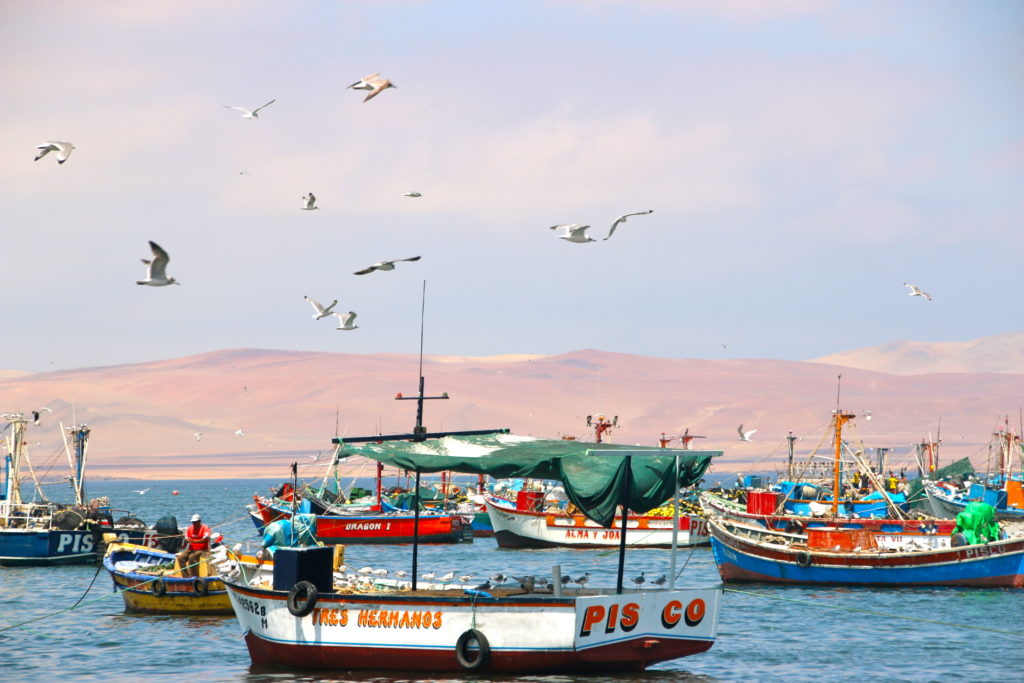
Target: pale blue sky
x,y
803,159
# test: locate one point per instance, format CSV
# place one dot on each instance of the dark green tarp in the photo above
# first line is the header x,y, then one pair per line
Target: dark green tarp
x,y
593,481
956,471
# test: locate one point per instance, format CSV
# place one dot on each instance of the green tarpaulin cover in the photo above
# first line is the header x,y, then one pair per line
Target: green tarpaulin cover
x,y
977,523
593,482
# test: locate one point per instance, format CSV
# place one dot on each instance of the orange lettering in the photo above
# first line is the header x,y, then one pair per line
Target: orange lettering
x,y
695,612
344,617
404,623
630,616
437,620
670,615
613,613
593,615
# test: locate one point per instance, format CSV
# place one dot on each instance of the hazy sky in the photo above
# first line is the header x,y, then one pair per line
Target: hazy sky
x,y
803,159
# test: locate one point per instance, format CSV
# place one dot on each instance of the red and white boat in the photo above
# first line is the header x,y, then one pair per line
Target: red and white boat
x,y
586,631
517,528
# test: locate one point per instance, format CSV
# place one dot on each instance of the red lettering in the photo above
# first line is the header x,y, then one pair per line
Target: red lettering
x,y
630,616
670,614
613,613
695,612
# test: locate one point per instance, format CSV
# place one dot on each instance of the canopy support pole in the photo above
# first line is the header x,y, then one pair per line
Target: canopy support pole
x,y
624,497
416,530
675,527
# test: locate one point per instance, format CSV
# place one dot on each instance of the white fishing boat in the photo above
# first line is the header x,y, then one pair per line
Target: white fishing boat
x,y
556,528
312,618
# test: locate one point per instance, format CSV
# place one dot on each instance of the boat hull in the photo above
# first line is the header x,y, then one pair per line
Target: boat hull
x,y
375,529
941,502
527,529
525,634
53,547
180,595
745,558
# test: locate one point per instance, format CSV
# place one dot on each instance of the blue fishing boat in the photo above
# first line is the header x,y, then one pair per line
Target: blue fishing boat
x,y
1004,490
47,533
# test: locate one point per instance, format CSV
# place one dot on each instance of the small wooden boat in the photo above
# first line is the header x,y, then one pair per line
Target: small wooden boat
x,y
150,582
854,557
515,528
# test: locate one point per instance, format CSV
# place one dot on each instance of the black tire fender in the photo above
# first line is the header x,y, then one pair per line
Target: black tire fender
x,y
200,587
803,558
463,654
302,599
159,587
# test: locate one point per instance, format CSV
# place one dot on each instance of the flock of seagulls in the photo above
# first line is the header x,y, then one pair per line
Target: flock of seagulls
x,y
345,320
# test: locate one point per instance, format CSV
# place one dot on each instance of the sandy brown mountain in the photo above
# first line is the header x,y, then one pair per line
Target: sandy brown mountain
x,y
144,415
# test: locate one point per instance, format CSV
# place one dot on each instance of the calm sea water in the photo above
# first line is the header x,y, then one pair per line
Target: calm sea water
x,y
765,632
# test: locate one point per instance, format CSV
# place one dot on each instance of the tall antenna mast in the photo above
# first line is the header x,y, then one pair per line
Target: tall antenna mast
x,y
839,386
423,317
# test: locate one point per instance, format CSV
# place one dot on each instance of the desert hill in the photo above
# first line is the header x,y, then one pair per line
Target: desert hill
x,y
144,415
998,353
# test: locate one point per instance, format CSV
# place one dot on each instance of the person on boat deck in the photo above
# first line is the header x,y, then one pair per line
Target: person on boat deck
x,y
856,480
891,482
197,540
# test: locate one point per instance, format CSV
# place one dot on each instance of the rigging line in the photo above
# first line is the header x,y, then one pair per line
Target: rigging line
x,y
874,613
99,566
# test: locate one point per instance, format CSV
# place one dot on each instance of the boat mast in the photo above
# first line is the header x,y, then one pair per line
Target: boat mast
x,y
15,454
789,466
80,436
839,418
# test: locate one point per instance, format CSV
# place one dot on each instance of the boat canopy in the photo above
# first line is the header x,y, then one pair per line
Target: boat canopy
x,y
592,481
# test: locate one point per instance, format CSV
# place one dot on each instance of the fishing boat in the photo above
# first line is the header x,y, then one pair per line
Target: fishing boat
x,y
1003,490
47,533
853,557
151,582
525,528
307,619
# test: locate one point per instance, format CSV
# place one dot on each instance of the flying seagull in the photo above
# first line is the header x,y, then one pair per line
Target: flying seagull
x,y
35,414
198,435
411,194
239,432
253,114
385,265
63,150
745,436
310,200
373,83
914,291
574,232
142,492
345,320
624,217
321,311
156,274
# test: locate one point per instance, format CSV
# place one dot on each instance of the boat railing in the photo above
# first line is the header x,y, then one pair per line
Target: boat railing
x,y
26,515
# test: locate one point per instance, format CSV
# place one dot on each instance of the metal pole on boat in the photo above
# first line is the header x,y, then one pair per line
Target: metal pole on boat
x,y
675,529
415,529
295,499
624,498
789,468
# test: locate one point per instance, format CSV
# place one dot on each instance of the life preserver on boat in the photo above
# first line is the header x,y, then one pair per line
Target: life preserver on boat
x,y
465,655
200,587
803,558
159,587
302,598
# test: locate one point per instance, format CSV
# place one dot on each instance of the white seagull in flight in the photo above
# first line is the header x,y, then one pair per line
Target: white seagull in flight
x,y
574,232
251,114
373,83
321,311
624,217
345,320
239,432
411,194
745,436
310,200
198,435
142,492
385,265
63,150
156,274
914,291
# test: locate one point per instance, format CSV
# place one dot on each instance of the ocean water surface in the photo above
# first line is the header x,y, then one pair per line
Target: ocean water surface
x,y
765,632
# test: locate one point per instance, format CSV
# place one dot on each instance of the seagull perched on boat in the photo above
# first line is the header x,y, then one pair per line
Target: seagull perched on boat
x,y
239,432
62,148
527,583
156,273
321,311
429,576
310,200
499,578
345,320
465,578
914,291
624,217
582,580
411,194
639,579
485,586
745,436
374,83
660,581
251,114
565,580
575,233
385,265
447,577
143,491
